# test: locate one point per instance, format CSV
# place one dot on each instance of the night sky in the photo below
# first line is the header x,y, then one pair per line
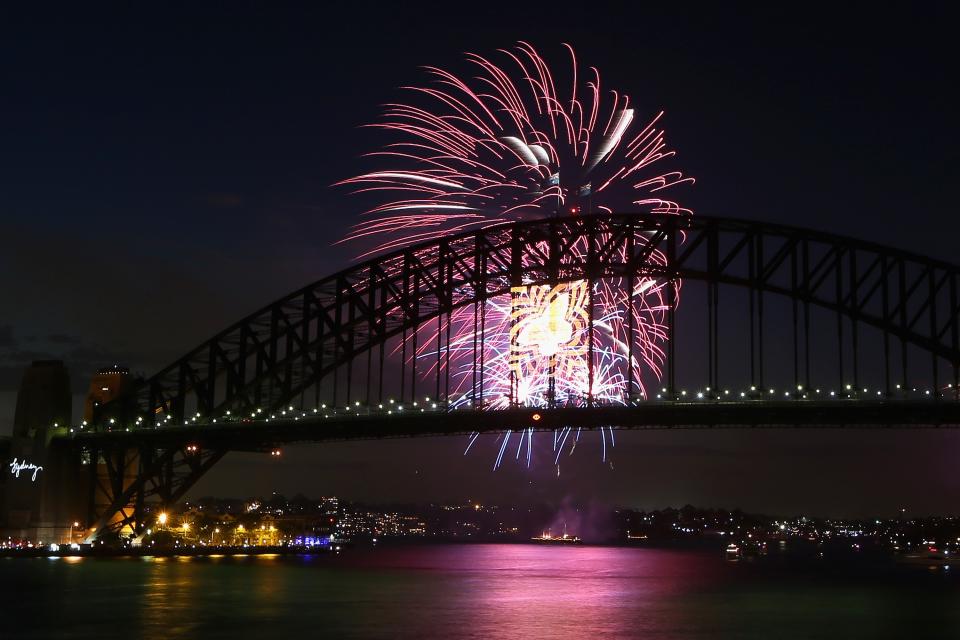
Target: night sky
x,y
165,172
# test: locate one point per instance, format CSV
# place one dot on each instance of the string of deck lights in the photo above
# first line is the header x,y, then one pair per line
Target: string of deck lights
x,y
392,407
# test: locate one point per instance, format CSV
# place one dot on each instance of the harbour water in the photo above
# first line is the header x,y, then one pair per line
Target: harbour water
x,y
471,591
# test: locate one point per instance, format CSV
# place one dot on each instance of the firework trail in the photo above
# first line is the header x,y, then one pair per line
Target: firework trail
x,y
510,142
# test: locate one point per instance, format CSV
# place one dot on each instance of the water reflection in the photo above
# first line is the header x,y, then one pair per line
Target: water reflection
x,y
561,593
482,591
169,599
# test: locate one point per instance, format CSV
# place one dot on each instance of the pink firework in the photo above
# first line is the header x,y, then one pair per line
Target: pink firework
x,y
505,144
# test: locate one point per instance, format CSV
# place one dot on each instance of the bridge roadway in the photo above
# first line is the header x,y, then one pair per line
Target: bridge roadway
x,y
363,424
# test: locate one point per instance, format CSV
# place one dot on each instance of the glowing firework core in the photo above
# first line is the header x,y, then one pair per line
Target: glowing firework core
x,y
548,338
547,329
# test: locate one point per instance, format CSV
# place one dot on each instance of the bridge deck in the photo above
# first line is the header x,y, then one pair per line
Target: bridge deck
x,y
259,434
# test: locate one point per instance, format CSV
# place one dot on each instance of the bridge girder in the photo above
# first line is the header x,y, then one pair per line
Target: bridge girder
x,y
127,476
273,355
308,338
265,436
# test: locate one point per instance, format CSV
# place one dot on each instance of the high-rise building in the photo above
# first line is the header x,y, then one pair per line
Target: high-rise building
x,y
106,384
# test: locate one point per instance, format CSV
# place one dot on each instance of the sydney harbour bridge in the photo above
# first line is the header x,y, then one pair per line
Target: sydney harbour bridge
x,y
779,327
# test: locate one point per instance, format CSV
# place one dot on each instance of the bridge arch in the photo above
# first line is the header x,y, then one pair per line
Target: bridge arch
x,y
313,337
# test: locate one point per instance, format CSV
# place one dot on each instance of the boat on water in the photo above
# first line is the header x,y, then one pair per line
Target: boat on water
x,y
744,550
929,557
547,537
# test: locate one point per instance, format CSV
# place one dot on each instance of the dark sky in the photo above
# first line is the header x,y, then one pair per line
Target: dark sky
x,y
165,171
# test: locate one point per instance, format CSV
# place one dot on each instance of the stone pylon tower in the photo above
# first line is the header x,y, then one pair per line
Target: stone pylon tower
x,y
40,500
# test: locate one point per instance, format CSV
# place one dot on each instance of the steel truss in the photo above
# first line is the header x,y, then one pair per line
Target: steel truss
x,y
313,338
125,478
274,355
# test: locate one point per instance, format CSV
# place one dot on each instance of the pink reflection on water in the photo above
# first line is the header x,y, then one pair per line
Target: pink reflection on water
x,y
531,591
475,591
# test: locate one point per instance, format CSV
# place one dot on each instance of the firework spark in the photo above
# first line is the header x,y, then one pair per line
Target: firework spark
x,y
505,144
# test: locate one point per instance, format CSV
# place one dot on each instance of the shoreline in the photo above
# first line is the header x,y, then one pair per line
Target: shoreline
x,y
705,546
86,551
172,552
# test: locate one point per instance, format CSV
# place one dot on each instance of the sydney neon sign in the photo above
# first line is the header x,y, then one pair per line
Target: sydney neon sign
x,y
17,466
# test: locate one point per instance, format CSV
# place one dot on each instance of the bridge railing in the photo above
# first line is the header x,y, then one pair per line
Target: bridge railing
x,y
705,396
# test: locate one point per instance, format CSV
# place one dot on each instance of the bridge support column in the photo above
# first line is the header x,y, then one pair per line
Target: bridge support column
x,y
125,481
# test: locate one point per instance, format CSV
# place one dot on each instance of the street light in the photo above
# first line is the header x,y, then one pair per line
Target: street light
x,y
162,518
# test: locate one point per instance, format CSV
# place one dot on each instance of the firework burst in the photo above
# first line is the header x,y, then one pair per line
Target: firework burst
x,y
505,144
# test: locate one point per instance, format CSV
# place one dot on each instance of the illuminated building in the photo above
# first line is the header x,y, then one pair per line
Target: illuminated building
x,y
265,533
107,383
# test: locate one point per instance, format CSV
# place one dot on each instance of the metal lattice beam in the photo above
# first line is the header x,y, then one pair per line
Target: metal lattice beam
x,y
274,354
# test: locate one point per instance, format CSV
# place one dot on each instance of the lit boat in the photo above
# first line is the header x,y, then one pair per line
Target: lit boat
x,y
733,552
547,538
930,557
